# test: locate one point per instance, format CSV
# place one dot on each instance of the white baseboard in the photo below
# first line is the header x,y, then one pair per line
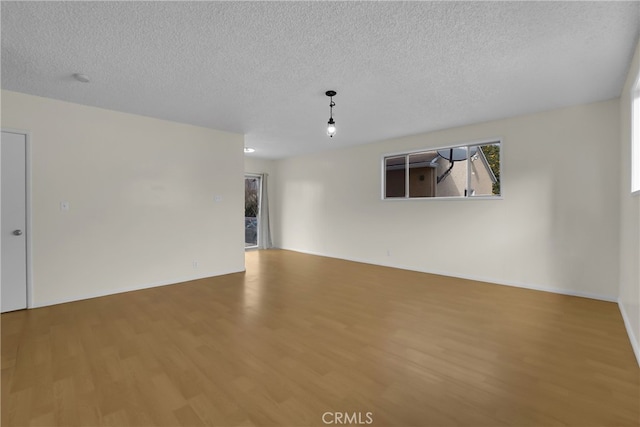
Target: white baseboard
x,y
632,337
474,278
130,288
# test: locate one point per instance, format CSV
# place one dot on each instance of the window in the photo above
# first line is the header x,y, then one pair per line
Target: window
x,y
471,170
252,201
635,137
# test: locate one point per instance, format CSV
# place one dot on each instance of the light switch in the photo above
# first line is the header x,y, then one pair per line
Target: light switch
x,y
64,206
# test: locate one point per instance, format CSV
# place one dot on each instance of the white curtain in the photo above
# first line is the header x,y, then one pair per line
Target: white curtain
x,y
263,221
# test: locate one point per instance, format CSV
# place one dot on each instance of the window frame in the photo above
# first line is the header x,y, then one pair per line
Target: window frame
x,y
406,154
635,137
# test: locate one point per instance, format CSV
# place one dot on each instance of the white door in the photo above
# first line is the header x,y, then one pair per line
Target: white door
x,y
13,221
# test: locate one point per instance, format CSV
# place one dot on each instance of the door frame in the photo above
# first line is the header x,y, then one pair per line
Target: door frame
x,y
28,219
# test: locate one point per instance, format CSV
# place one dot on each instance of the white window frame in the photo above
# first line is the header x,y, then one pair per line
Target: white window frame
x,y
635,136
488,141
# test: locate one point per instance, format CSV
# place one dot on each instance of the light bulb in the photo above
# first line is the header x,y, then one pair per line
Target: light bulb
x,y
331,129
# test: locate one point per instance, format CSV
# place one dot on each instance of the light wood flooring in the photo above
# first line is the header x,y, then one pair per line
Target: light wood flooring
x,y
298,336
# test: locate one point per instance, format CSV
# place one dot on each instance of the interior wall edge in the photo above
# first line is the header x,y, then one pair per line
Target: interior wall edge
x,y
632,337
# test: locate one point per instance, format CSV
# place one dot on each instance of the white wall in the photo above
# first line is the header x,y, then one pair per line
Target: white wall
x,y
259,165
629,294
141,192
556,227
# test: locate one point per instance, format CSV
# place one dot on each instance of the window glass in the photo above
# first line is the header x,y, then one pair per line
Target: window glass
x,y
395,176
452,172
423,174
485,171
471,170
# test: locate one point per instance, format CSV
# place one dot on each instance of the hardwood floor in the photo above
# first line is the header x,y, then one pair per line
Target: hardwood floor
x,y
299,336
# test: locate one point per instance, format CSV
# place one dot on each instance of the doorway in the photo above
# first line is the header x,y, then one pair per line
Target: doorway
x,y
252,192
13,220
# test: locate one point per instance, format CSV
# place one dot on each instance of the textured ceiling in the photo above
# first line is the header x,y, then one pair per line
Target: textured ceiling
x,y
261,68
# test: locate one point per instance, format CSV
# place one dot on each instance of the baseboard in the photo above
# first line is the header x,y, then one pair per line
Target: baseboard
x,y
474,278
632,337
131,288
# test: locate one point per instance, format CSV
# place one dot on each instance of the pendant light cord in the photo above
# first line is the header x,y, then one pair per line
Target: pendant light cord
x,y
331,105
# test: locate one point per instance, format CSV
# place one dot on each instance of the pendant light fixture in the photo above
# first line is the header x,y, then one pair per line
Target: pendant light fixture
x,y
331,125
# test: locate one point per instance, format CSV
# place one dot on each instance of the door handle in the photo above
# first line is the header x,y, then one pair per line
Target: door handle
x,y
17,232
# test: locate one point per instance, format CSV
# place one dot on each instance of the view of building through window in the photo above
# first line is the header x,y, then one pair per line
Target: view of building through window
x,y
463,171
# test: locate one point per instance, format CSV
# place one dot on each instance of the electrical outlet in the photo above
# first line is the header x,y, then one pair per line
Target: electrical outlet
x,y
195,264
